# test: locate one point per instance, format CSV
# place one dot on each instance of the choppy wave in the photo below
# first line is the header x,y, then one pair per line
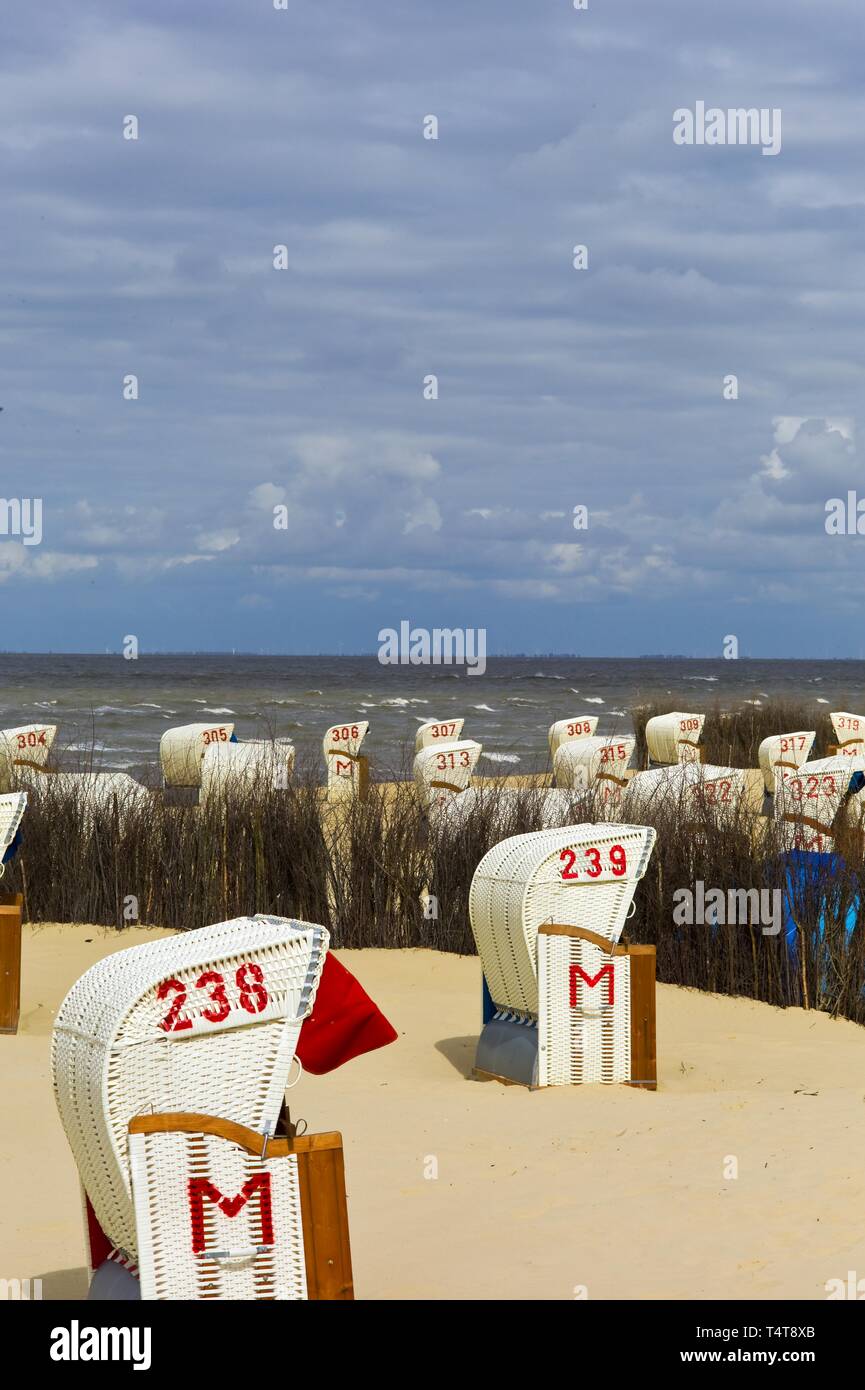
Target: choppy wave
x,y
120,709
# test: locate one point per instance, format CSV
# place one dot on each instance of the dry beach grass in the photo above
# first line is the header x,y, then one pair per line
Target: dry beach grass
x,y
360,868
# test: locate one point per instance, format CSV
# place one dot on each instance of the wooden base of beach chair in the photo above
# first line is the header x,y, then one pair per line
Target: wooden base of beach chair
x,y
10,961
223,1213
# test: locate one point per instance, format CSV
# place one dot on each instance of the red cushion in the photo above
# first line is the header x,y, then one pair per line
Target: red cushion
x,y
344,1022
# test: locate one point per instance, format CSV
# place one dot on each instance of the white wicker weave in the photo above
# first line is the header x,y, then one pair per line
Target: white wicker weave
x,y
441,773
30,744
687,788
785,752
599,765
674,738
849,732
341,746
94,792
214,1221
567,730
584,1027
255,763
12,808
808,799
436,732
582,875
182,750
556,806
204,1021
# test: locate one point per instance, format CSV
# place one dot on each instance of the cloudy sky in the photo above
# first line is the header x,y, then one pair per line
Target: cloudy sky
x,y
302,388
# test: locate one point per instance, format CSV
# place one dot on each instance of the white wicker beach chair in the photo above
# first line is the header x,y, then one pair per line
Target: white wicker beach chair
x,y
12,808
596,764
808,799
255,763
442,773
849,732
547,910
556,806
29,745
568,730
785,753
206,1022
94,792
182,750
437,732
347,769
674,738
688,789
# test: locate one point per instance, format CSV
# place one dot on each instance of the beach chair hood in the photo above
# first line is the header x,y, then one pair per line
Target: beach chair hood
x,y
581,875
205,1021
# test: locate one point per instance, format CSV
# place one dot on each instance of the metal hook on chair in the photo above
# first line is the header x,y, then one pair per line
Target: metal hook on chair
x,y
293,1129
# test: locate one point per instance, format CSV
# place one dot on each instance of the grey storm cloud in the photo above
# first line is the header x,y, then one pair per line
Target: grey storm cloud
x,y
302,388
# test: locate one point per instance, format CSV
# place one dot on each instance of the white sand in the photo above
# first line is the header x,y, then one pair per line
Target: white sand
x,y
537,1193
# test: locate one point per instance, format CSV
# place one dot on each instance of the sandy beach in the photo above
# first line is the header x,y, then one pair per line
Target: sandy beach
x,y
538,1194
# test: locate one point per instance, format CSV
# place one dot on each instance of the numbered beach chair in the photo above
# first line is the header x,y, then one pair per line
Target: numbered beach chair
x,y
347,768
598,765
442,773
674,738
690,790
205,1022
438,732
564,1002
783,753
181,754
808,801
849,730
255,764
12,808
569,730
28,746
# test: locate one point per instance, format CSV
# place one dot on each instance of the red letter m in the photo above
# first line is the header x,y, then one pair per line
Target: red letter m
x,y
578,970
201,1188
